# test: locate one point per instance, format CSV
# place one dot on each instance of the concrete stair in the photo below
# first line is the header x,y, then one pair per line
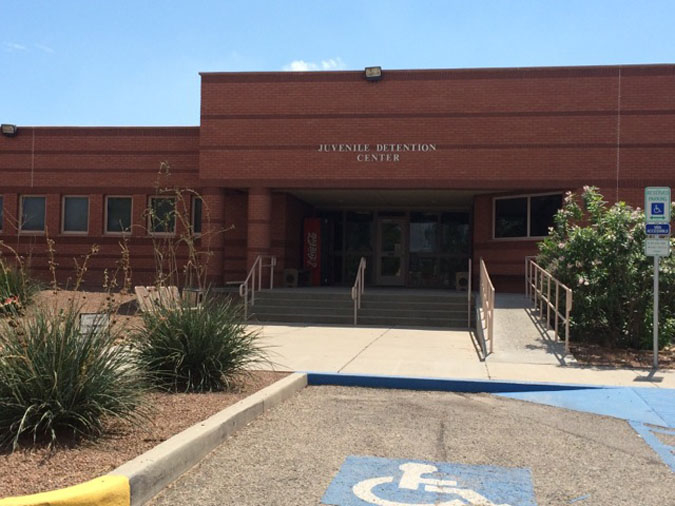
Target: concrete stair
x,y
379,307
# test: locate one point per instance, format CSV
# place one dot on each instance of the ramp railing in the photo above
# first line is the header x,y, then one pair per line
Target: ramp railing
x,y
546,293
254,279
468,293
358,288
487,301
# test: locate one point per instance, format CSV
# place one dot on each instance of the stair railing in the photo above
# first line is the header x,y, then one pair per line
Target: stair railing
x,y
254,279
358,288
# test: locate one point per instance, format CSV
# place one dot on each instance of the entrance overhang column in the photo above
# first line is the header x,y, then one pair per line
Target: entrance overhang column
x,y
259,238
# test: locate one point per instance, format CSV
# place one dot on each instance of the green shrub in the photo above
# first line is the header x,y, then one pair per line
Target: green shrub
x,y
56,383
201,349
598,251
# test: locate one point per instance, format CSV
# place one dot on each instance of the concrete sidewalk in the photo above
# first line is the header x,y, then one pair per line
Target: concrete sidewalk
x,y
438,353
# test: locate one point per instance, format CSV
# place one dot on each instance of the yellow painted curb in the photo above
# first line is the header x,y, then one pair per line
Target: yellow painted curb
x,y
103,491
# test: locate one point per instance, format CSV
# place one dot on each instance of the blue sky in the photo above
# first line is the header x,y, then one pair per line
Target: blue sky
x,y
120,62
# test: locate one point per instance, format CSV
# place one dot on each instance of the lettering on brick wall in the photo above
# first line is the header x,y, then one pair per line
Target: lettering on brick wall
x,y
376,152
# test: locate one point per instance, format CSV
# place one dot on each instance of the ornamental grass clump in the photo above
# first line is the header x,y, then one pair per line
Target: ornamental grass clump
x,y
58,384
198,349
16,287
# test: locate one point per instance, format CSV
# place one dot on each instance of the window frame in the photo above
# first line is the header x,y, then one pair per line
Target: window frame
x,y
192,215
63,215
32,232
528,197
151,232
105,215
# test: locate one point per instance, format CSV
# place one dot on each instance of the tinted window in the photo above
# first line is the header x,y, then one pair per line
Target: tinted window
x,y
162,214
197,215
511,217
542,211
33,214
75,214
119,214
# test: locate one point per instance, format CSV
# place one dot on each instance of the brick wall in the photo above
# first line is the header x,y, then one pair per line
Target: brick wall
x,y
93,162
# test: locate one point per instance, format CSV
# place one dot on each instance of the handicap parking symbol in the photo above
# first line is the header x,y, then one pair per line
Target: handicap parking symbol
x,y
364,481
658,208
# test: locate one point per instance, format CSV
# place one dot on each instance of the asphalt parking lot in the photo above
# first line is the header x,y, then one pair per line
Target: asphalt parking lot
x,y
425,448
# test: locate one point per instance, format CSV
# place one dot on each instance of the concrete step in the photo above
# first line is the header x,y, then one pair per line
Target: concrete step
x,y
297,303
399,305
305,310
433,313
302,295
301,318
413,322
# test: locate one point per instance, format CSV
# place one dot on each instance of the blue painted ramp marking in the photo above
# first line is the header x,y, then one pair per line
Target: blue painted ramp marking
x,y
649,434
617,402
641,407
363,481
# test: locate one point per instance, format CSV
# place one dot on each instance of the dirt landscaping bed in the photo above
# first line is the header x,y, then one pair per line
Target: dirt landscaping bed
x,y
592,354
39,470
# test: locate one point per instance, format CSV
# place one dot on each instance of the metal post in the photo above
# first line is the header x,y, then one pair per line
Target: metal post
x,y
557,312
548,303
656,311
259,260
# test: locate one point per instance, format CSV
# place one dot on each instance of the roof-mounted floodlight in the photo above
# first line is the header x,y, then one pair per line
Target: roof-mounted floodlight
x,y
373,73
8,130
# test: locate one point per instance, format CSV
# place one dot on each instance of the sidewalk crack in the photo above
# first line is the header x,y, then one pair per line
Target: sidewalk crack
x,y
364,349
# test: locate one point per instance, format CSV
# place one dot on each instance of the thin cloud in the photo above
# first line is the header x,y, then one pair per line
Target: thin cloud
x,y
304,66
11,47
44,48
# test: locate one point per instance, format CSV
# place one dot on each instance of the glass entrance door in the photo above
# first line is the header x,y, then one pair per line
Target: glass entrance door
x,y
391,251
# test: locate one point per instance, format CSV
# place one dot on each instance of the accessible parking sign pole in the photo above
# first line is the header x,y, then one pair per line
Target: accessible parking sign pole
x,y
657,221
656,311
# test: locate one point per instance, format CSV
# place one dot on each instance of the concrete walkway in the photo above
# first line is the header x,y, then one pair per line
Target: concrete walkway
x,y
438,353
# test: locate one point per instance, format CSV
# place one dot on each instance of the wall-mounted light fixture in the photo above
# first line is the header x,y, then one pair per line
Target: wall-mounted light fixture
x,y
8,130
373,73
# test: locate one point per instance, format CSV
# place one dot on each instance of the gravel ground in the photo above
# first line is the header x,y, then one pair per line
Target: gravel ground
x,y
38,470
290,455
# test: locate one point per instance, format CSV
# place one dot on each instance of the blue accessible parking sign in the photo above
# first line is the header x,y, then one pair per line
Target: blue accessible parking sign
x,y
364,481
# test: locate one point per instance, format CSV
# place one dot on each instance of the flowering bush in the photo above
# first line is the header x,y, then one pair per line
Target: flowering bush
x,y
598,251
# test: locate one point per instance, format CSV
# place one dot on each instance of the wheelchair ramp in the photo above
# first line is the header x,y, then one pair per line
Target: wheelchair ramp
x,y
520,336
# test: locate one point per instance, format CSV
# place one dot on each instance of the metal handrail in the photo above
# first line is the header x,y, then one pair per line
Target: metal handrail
x,y
469,294
487,300
255,279
538,288
358,288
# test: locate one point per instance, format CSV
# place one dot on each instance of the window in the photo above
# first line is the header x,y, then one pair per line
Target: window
x,y
162,215
32,214
118,215
197,215
75,214
1,203
529,216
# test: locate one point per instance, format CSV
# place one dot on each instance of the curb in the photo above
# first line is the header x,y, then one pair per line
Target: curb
x,y
440,384
152,471
103,491
140,479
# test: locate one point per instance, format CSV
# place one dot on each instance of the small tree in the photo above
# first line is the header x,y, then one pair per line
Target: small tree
x,y
598,250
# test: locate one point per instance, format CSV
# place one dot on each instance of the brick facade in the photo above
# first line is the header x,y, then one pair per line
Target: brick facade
x,y
493,132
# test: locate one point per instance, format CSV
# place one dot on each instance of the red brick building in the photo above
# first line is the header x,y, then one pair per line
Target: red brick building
x,y
418,171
